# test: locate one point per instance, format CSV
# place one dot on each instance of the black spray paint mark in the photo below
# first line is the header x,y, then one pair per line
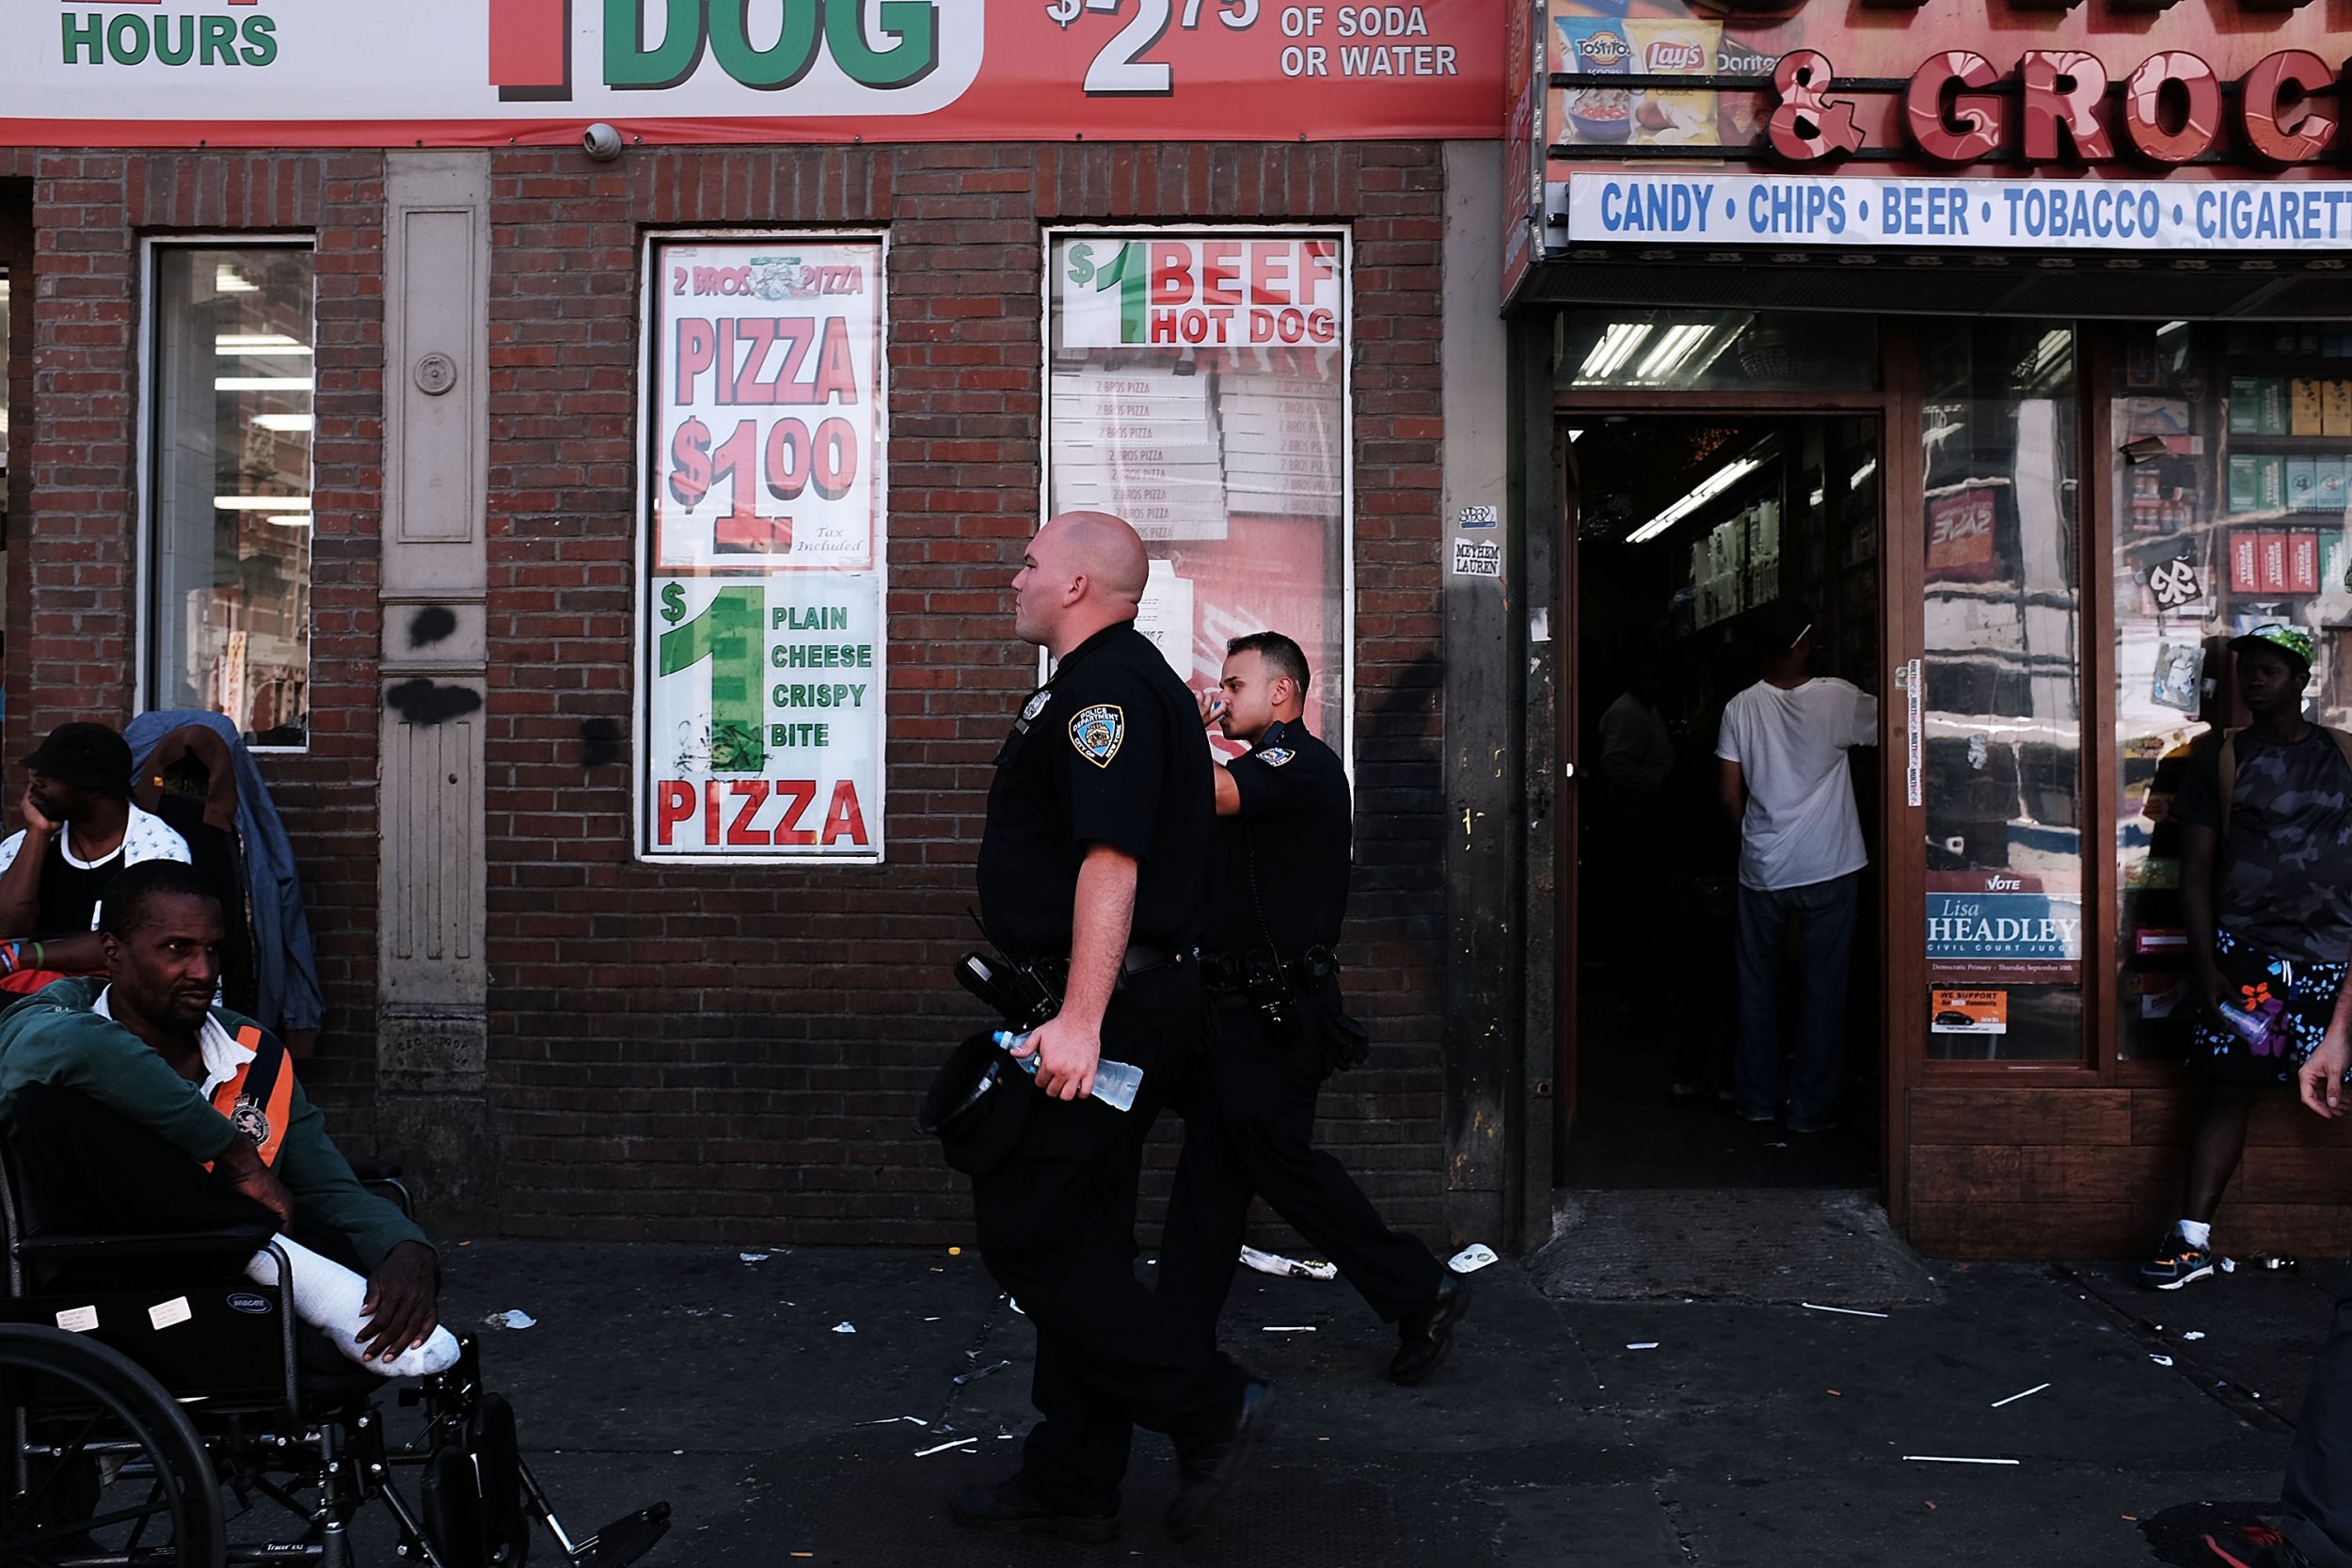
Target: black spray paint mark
x,y
422,702
599,742
431,625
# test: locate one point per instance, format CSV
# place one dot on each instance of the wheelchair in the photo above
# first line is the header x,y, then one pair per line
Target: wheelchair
x,y
138,1420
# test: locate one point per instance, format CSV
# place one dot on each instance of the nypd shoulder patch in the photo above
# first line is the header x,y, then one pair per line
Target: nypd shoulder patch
x,y
1274,756
1097,731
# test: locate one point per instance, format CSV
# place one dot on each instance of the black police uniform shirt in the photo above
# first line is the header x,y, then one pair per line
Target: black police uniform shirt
x,y
1295,818
1108,752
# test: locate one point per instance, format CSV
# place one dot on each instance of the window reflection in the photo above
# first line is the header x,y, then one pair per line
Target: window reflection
x,y
2001,765
231,475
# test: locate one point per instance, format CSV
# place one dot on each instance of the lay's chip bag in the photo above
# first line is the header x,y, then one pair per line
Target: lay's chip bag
x,y
1669,116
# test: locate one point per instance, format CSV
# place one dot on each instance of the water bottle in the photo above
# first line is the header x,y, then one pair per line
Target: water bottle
x,y
1115,1083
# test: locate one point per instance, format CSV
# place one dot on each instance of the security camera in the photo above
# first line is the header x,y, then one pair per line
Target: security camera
x,y
601,142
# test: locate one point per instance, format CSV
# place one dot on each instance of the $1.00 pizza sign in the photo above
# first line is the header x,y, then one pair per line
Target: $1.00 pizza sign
x,y
761,633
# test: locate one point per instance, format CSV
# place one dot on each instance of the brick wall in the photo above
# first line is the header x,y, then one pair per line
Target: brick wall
x,y
72,629
731,1053
737,1054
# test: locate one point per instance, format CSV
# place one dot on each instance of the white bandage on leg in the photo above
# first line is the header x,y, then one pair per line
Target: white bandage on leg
x,y
328,1297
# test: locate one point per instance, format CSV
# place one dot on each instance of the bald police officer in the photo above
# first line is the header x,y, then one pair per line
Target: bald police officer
x,y
1278,891
1090,871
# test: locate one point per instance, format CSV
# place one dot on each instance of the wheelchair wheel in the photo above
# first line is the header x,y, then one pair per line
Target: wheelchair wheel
x,y
99,1462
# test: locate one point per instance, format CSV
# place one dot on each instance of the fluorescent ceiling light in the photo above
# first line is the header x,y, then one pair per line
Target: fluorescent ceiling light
x,y
261,503
227,280
292,520
283,421
1862,473
261,384
1703,491
237,345
1671,350
1616,347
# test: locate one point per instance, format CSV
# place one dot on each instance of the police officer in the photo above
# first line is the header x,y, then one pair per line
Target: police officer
x,y
1090,871
1277,891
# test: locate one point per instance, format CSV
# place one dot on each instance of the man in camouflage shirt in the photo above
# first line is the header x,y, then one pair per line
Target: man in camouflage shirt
x,y
2266,819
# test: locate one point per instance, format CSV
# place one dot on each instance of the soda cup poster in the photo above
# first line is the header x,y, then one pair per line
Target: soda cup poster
x,y
761,633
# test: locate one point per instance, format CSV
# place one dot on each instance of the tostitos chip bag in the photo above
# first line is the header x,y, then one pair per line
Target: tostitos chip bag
x,y
1666,116
1595,46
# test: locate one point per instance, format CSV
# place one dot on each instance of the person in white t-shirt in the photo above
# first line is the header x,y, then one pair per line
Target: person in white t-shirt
x,y
1785,780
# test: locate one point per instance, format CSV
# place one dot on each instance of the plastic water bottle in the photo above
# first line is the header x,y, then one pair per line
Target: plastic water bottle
x,y
1115,1083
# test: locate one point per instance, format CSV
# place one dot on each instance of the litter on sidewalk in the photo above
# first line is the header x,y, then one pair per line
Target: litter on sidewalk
x,y
512,1318
1290,1268
1472,1257
1847,1311
1950,1459
753,1257
978,1372
2194,1333
1642,1344
1290,1328
2161,1360
845,1327
943,1447
2023,1394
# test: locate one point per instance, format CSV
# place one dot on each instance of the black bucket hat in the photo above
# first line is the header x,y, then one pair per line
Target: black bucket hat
x,y
976,1105
89,756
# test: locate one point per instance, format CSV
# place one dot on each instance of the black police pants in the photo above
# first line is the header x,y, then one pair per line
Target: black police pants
x,y
1056,1222
1249,1118
2317,1498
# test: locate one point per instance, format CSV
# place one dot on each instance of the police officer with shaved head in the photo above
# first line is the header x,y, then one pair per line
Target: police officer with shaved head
x,y
1091,877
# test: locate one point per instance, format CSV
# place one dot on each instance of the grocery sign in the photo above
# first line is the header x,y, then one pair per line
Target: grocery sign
x,y
490,73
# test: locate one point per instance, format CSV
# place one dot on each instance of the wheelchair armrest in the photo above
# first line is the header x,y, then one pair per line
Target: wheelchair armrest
x,y
47,1247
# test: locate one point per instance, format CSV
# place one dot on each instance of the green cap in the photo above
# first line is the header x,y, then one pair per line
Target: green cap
x,y
2294,642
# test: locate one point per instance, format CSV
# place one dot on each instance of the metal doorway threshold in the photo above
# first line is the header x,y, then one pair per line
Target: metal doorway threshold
x,y
1760,1246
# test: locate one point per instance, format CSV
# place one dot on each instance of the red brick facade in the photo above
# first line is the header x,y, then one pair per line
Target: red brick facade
x,y
730,1052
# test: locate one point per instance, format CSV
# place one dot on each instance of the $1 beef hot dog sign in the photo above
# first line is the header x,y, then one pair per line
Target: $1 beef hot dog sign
x,y
761,637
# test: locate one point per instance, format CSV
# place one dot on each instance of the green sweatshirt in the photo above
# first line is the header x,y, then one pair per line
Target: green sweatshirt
x,y
53,1038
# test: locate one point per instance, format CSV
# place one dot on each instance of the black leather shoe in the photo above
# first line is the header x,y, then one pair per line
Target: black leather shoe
x,y
1009,1508
1210,1472
1426,1333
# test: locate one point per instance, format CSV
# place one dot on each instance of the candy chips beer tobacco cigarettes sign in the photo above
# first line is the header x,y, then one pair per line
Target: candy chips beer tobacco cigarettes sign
x,y
493,72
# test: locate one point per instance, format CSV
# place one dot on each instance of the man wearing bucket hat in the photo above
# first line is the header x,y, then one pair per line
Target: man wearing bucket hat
x,y
2266,820
80,829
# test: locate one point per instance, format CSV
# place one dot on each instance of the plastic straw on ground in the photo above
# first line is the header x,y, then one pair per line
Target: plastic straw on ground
x,y
2014,1398
1848,1311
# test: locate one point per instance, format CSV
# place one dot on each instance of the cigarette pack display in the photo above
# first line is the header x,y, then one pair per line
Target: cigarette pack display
x,y
2245,479
2302,484
2245,406
2274,407
2330,484
2271,562
2270,482
2335,409
2302,562
2245,572
2305,408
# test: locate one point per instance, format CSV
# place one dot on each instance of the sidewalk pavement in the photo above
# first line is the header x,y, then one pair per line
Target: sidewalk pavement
x,y
732,1385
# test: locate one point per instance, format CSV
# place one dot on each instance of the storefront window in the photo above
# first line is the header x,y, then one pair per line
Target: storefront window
x,y
230,477
1718,351
2001,721
2232,447
1198,389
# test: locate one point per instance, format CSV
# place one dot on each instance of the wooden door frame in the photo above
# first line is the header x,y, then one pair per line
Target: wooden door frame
x,y
1902,631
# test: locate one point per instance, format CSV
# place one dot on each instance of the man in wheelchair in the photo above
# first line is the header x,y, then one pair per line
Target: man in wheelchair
x,y
151,1136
